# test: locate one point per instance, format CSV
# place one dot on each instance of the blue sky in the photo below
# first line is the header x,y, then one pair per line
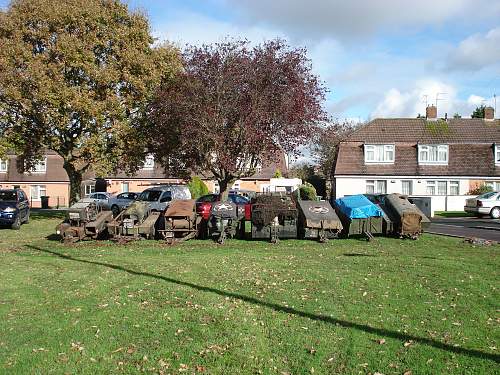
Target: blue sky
x,y
378,58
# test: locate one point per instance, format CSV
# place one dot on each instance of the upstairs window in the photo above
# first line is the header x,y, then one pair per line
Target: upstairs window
x,y
379,154
433,154
39,167
3,166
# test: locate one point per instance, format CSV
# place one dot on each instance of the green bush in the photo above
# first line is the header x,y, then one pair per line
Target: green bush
x,y
481,189
197,187
277,174
307,192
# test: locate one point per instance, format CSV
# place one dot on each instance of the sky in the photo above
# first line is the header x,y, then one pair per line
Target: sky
x,y
384,58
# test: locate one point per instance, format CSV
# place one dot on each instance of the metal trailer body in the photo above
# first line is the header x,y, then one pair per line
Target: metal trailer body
x,y
403,217
223,221
85,219
318,220
180,221
137,221
274,217
360,216
407,217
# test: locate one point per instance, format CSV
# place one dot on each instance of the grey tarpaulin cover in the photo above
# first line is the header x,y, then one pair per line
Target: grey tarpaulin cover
x,y
320,215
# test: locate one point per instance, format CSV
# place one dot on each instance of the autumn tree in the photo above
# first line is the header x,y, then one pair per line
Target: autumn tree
x,y
234,106
478,112
326,141
75,77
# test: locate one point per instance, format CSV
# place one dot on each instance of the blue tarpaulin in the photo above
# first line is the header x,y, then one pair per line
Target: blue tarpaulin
x,y
358,207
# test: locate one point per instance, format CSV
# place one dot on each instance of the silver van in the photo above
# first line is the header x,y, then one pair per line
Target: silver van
x,y
159,197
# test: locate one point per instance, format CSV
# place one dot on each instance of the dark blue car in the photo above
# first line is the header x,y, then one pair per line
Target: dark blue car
x,y
14,208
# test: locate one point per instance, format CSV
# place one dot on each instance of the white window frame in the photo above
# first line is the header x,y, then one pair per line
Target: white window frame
x,y
445,188
430,148
89,189
40,166
410,185
149,163
454,184
36,192
497,154
375,185
430,184
125,184
379,150
4,165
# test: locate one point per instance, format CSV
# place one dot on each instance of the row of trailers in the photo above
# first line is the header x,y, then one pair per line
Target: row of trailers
x,y
268,217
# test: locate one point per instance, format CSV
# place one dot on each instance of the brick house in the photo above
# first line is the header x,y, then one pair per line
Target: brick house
x,y
439,158
48,178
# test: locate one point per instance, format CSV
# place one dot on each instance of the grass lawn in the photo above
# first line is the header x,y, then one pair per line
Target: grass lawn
x,y
395,307
453,214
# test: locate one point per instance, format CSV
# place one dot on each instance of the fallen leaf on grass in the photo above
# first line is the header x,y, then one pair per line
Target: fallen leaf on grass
x,y
408,372
408,343
380,341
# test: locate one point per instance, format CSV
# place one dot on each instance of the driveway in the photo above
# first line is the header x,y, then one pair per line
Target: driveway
x,y
488,229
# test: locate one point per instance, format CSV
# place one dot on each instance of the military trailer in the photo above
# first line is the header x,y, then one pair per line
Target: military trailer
x,y
180,222
223,221
274,216
85,219
137,221
359,216
405,219
318,220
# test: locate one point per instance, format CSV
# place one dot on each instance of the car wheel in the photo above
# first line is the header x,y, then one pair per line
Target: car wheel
x,y
17,224
495,213
115,210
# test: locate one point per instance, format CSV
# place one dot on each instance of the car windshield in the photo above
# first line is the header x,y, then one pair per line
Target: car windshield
x,y
150,195
487,195
8,196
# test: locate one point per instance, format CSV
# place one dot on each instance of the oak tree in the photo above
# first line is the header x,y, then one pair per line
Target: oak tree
x,y
235,106
76,77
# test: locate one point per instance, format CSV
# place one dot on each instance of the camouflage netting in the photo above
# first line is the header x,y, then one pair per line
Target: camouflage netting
x,y
138,209
266,207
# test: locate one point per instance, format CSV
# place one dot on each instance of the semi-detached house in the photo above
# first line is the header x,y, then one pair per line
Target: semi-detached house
x,y
422,157
48,178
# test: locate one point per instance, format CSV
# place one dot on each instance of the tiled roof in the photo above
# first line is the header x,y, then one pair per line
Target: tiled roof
x,y
428,131
464,160
471,151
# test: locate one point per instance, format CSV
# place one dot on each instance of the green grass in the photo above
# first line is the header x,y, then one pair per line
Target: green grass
x,y
428,306
453,214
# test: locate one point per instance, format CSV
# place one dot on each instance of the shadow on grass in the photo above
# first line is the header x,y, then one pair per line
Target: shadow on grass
x,y
289,310
358,255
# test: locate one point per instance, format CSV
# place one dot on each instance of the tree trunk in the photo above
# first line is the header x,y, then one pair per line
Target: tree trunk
x,y
75,182
224,188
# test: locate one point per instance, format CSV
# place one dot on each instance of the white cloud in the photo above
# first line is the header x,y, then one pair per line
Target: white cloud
x,y
192,28
411,102
476,52
354,18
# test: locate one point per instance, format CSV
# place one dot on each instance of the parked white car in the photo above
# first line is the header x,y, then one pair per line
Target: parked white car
x,y
484,204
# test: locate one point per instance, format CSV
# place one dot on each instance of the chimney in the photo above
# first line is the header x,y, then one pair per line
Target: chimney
x,y
489,113
431,112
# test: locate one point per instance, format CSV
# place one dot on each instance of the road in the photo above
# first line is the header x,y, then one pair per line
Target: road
x,y
488,229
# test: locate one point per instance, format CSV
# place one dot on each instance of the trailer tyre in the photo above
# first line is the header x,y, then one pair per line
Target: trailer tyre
x,y
495,213
115,210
